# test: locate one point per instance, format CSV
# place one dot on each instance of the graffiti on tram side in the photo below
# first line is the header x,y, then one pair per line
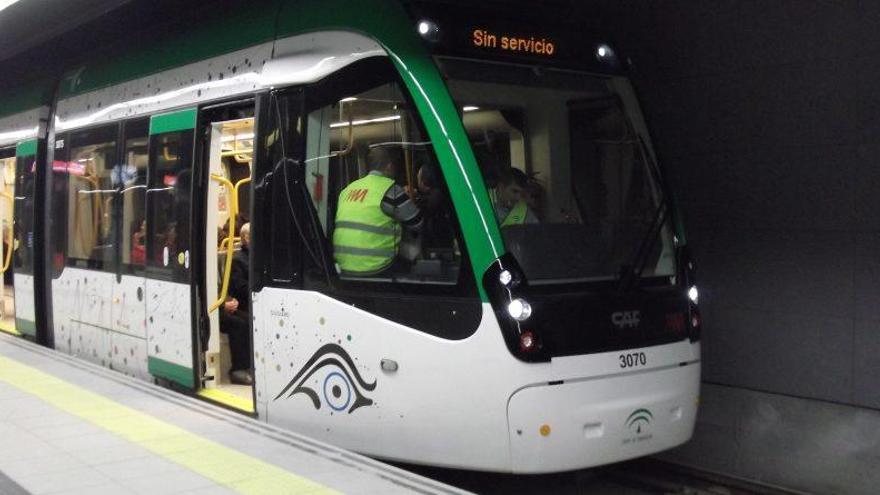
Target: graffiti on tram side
x,y
332,372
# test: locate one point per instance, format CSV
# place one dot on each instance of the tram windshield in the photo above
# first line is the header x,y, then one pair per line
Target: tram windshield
x,y
570,172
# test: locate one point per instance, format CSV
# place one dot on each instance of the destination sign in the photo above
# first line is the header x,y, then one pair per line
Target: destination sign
x,y
483,38
485,35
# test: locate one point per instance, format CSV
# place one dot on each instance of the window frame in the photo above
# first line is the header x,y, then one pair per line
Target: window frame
x,y
461,297
129,268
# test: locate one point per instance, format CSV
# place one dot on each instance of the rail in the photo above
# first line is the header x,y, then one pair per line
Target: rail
x,y
228,241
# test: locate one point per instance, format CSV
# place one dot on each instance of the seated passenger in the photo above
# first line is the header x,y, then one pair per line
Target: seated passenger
x,y
138,245
509,199
235,315
370,216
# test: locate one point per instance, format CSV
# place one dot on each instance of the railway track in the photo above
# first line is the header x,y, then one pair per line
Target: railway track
x,y
639,477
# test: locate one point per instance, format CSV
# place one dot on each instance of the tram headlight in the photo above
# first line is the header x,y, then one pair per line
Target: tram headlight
x,y
505,277
429,30
694,294
519,309
604,52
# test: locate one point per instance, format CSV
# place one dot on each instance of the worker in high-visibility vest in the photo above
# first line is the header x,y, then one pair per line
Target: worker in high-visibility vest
x,y
508,198
370,216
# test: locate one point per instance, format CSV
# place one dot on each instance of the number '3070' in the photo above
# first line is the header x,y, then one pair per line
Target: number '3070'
x,y
633,359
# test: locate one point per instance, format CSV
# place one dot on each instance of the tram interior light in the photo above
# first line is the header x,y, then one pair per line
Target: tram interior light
x,y
469,108
519,309
694,294
377,120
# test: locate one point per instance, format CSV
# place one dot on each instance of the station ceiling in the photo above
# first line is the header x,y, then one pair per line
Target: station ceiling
x,y
29,23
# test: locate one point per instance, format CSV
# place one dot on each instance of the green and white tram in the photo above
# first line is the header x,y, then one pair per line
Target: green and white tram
x,y
541,317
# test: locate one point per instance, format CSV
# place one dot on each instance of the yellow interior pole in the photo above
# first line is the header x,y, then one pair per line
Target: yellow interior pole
x,y
227,268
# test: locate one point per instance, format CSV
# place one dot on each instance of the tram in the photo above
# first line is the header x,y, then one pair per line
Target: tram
x,y
566,338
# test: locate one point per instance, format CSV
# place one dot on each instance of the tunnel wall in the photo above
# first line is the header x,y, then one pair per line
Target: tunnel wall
x,y
767,115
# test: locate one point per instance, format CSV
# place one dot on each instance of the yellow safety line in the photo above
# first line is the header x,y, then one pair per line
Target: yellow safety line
x,y
225,466
9,328
227,399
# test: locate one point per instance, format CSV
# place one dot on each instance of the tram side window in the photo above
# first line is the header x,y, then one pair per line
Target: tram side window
x,y
90,196
58,219
130,178
280,243
168,206
376,186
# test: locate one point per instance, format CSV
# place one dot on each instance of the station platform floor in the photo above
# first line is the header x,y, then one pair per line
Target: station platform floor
x,y
69,427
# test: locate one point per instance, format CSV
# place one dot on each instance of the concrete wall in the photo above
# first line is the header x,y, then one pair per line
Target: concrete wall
x,y
767,114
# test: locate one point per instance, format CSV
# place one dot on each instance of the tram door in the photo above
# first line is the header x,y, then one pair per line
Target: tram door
x,y
7,201
168,285
22,240
226,136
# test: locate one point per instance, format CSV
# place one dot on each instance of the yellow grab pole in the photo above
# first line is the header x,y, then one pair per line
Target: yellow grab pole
x,y
233,204
233,212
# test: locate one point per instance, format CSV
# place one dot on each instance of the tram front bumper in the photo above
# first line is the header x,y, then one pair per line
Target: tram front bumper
x,y
595,421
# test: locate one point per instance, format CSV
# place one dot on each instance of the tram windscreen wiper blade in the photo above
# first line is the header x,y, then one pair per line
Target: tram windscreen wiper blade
x,y
631,273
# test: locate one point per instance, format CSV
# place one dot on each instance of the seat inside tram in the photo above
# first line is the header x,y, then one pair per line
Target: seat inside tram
x,y
7,247
229,349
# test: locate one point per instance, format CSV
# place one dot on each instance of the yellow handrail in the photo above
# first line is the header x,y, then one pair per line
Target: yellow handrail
x,y
7,260
227,268
224,244
233,212
237,185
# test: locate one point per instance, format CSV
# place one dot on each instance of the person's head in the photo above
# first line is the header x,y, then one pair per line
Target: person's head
x,y
429,178
385,159
246,235
512,185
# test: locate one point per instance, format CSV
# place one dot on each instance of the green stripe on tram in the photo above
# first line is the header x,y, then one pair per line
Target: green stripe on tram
x,y
26,327
175,121
26,148
171,371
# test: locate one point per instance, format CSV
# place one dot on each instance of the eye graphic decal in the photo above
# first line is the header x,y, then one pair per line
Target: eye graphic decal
x,y
330,377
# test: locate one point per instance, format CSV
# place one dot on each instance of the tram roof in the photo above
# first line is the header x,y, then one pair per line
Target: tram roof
x,y
88,44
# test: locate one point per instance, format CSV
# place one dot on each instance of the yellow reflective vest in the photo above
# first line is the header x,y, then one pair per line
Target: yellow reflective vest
x,y
516,215
365,239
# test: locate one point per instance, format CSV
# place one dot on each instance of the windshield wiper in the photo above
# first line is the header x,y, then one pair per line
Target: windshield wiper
x,y
632,273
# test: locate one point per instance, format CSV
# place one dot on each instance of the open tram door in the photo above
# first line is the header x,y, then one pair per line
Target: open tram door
x,y
7,203
226,153
17,202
